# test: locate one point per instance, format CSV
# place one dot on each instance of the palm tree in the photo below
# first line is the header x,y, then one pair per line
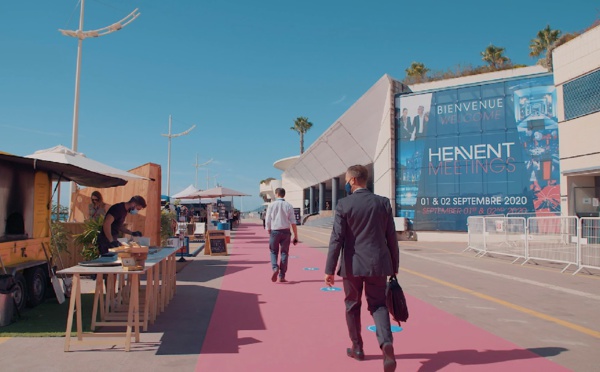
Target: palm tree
x,y
301,125
545,38
494,56
547,62
417,71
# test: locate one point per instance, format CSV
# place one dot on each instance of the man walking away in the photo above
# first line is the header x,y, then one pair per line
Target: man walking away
x,y
278,220
365,237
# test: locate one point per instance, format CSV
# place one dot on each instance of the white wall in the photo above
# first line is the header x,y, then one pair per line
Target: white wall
x,y
577,57
579,138
293,194
383,163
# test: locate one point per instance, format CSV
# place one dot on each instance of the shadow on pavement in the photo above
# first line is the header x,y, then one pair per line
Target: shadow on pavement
x,y
440,360
185,322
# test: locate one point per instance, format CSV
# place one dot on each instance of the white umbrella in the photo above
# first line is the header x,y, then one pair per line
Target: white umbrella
x,y
187,191
65,172
63,155
182,196
197,201
216,192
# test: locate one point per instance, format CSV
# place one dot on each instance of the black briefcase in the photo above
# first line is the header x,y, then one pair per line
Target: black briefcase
x,y
395,300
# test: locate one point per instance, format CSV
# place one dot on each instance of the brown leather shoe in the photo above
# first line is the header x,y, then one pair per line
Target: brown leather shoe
x,y
282,280
389,359
274,276
357,354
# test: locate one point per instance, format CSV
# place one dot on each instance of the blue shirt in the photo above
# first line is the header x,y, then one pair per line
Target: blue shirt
x,y
280,215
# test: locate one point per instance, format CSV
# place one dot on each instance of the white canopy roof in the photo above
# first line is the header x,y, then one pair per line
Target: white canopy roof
x,y
357,137
185,192
61,154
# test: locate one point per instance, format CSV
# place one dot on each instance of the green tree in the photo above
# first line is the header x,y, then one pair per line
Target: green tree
x,y
547,62
301,126
545,38
417,72
494,56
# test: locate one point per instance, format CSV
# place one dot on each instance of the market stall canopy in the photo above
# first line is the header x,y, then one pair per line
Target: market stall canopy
x,y
64,172
63,155
182,196
197,201
187,191
216,192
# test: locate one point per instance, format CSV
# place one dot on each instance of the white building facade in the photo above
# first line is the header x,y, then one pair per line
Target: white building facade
x,y
577,79
514,141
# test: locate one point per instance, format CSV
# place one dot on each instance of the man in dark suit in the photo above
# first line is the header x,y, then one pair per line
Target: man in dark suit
x,y
405,126
365,236
419,122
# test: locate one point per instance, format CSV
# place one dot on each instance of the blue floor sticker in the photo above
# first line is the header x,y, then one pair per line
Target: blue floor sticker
x,y
293,256
395,328
311,268
331,289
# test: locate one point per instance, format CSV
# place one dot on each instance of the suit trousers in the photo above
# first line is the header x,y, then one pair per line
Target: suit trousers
x,y
374,287
279,241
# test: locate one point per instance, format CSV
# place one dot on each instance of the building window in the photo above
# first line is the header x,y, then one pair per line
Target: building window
x,y
582,96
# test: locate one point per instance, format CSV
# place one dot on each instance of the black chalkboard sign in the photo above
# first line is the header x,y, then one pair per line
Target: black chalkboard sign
x,y
297,215
217,243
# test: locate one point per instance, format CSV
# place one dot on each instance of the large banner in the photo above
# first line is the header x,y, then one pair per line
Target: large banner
x,y
477,150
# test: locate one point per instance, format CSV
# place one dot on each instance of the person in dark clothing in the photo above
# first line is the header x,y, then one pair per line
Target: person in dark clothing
x,y
364,242
114,223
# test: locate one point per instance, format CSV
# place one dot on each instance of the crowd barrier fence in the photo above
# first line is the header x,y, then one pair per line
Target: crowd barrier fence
x,y
569,240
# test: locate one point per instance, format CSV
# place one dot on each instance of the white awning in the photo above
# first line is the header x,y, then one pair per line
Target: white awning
x,y
354,138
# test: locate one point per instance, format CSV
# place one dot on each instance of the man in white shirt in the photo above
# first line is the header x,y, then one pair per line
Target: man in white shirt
x,y
278,220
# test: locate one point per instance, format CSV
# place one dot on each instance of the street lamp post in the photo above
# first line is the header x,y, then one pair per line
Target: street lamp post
x,y
80,35
169,136
198,166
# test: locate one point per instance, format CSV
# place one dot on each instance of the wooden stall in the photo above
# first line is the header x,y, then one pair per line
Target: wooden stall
x,y
147,220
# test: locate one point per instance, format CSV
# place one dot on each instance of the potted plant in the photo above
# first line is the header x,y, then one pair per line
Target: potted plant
x,y
89,238
167,221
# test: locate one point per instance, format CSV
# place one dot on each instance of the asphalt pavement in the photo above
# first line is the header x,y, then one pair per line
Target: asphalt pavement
x,y
534,306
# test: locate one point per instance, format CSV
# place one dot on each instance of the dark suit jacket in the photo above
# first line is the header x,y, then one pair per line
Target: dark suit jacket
x,y
415,124
406,128
365,235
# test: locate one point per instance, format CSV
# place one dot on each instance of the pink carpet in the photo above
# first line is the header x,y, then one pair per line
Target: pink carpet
x,y
258,325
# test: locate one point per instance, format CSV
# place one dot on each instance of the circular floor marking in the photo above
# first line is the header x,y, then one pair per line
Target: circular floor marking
x,y
395,328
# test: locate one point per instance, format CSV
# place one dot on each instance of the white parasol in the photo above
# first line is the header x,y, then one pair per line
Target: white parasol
x,y
216,192
183,193
61,154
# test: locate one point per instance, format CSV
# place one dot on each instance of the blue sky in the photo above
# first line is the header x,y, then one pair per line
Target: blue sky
x,y
242,71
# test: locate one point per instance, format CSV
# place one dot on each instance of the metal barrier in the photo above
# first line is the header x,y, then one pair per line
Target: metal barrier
x,y
568,240
532,214
498,234
589,243
476,233
505,236
553,239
